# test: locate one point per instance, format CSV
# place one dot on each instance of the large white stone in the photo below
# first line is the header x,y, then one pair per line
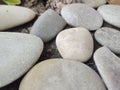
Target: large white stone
x,y
108,65
109,37
111,14
18,52
59,74
12,16
94,3
81,15
75,44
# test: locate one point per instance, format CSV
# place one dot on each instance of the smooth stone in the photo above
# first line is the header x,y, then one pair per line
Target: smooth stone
x,y
109,37
59,74
12,16
111,14
94,3
18,52
48,25
81,15
114,2
108,65
75,44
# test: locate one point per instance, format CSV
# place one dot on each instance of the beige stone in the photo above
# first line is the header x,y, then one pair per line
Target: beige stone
x,y
114,2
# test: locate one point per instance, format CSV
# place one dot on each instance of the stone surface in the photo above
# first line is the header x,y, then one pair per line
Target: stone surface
x,y
59,74
109,37
114,2
10,16
108,65
18,52
111,14
75,44
94,3
81,15
48,25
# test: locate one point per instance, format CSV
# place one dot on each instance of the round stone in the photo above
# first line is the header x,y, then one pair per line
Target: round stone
x,y
18,52
111,14
81,15
109,37
48,25
108,65
75,44
94,3
12,16
59,74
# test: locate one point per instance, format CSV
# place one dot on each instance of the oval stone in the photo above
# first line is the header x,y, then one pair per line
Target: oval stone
x,y
12,16
48,25
75,44
94,3
111,14
18,52
109,37
59,74
81,15
108,65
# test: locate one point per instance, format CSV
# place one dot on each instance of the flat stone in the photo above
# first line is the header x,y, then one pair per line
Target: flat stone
x,y
94,3
12,16
111,14
114,2
75,44
108,65
81,15
59,74
48,25
18,52
109,37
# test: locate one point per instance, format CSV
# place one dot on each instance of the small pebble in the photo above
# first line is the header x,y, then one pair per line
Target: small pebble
x,y
48,25
108,65
109,37
59,74
75,44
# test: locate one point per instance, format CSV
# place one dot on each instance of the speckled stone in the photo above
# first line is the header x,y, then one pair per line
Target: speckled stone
x,y
18,52
94,3
75,44
108,65
59,74
48,25
12,16
81,15
109,37
111,14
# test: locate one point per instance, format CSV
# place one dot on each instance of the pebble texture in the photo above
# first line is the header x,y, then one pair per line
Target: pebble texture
x,y
111,14
10,16
94,3
75,44
114,2
81,15
108,65
48,25
59,74
18,52
109,37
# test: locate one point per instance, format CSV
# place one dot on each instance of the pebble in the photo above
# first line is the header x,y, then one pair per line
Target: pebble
x,y
81,15
59,74
48,25
12,16
94,3
114,2
75,43
109,37
108,65
18,52
111,14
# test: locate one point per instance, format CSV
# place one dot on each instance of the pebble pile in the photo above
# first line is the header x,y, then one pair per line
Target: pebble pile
x,y
19,51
